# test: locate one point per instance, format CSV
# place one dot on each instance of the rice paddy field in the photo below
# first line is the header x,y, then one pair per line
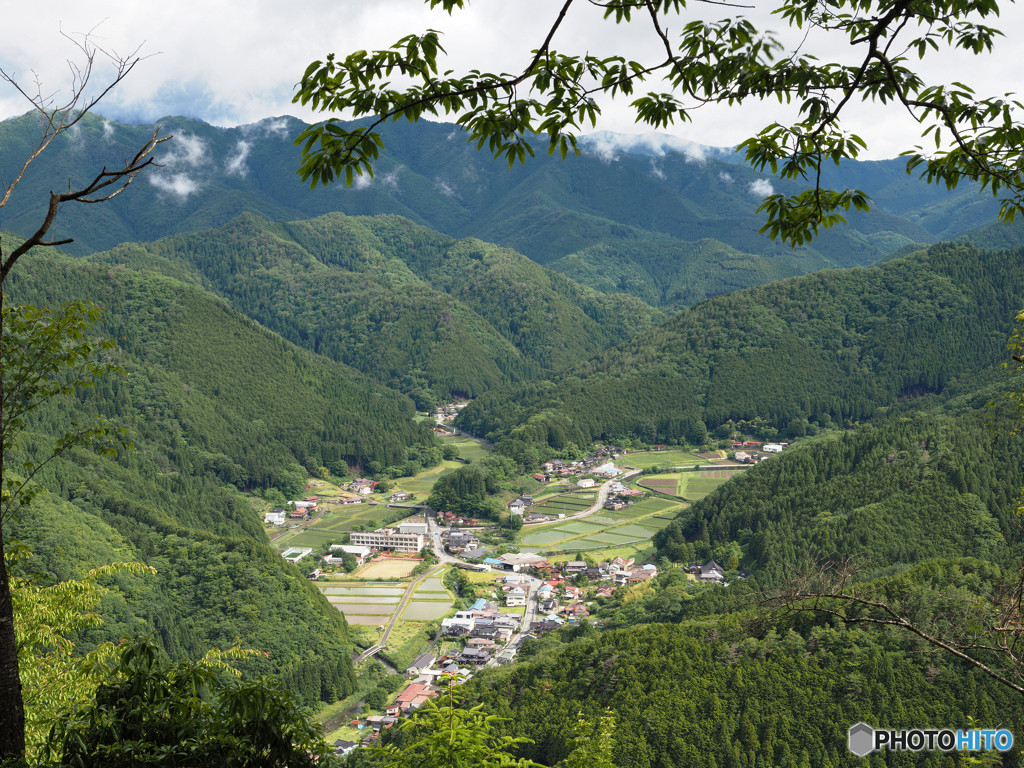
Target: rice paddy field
x,y
700,484
621,527
688,485
423,610
673,458
565,504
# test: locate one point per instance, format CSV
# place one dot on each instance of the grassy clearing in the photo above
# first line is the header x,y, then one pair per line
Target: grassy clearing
x,y
672,458
468,449
315,539
342,518
407,641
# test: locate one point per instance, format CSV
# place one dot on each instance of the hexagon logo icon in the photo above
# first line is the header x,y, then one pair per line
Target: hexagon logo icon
x,y
861,739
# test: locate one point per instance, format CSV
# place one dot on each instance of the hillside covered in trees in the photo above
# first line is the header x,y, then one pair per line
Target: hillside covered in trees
x,y
640,203
409,307
214,405
831,348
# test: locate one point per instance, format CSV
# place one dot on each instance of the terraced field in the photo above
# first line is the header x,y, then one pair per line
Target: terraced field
x,y
565,504
636,523
674,458
671,485
700,484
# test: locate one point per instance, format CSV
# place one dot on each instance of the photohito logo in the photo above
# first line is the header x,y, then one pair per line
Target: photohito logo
x,y
863,739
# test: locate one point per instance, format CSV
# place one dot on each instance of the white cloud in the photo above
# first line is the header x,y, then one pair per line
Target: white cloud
x,y
185,150
725,178
235,164
177,184
447,189
761,188
601,145
390,180
656,172
108,130
76,138
361,181
198,71
276,127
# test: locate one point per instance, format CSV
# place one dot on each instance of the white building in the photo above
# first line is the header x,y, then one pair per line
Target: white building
x,y
274,518
772,448
515,597
607,470
585,482
413,528
295,554
359,553
389,539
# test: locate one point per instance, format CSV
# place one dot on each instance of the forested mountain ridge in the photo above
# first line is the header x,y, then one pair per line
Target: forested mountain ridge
x,y
213,404
608,202
831,346
709,693
411,308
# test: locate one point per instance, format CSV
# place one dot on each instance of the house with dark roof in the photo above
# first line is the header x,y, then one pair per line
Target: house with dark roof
x,y
474,656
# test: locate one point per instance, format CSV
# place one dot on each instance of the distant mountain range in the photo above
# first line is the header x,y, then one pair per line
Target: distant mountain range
x,y
667,220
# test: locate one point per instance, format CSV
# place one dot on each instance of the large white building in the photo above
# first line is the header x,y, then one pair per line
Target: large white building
x,y
389,539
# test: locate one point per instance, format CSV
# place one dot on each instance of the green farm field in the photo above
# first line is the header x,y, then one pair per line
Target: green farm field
x,y
673,458
635,523
468,449
671,484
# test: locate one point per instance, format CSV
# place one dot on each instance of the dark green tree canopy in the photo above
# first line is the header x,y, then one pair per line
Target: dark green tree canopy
x,y
726,60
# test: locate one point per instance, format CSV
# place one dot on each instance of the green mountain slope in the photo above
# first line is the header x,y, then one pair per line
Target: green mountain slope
x,y
409,307
213,404
835,345
669,273
546,210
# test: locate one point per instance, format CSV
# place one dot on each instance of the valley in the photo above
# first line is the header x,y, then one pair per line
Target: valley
x,y
591,382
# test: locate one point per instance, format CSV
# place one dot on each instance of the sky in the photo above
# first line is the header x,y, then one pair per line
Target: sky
x,y
230,62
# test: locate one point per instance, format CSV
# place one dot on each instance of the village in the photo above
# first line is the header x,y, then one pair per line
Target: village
x,y
400,571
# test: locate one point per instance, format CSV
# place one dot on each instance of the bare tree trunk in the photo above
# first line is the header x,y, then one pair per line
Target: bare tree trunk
x,y
12,707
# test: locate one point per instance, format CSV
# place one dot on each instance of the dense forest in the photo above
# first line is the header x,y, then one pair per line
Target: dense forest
x,y
214,404
411,308
829,348
712,693
613,198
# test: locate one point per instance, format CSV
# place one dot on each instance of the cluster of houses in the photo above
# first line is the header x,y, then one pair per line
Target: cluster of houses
x,y
298,510
447,412
520,505
425,684
620,497
484,628
712,572
599,464
361,486
398,496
